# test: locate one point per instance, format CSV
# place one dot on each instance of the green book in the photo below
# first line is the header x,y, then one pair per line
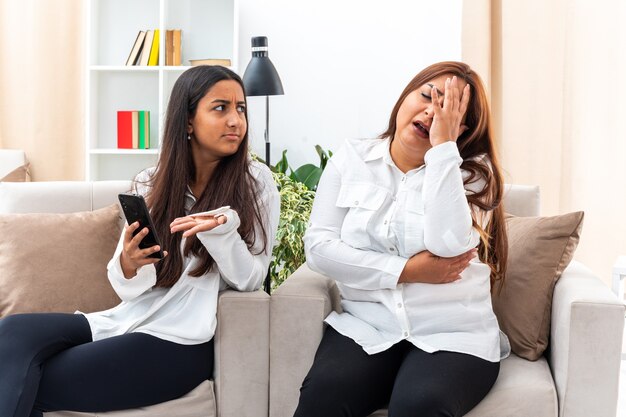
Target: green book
x,y
142,129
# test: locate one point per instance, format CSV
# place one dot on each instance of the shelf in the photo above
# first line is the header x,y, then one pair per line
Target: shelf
x,y
138,68
209,29
123,68
108,151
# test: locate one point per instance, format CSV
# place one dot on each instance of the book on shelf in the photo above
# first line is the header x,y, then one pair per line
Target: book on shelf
x,y
169,47
154,51
124,129
147,48
147,135
144,129
136,49
133,129
135,132
211,61
177,47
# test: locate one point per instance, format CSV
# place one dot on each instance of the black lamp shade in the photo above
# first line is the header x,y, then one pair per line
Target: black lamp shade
x,y
260,77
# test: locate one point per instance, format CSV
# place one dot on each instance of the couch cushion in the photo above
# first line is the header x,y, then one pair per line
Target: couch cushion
x,y
198,402
540,248
523,388
57,262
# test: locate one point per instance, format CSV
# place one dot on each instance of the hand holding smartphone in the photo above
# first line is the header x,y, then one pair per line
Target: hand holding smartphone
x,y
136,210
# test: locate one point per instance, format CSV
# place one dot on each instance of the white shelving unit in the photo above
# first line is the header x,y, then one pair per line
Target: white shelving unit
x,y
209,30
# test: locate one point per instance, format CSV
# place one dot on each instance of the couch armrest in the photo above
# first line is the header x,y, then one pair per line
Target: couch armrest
x,y
242,354
298,309
586,344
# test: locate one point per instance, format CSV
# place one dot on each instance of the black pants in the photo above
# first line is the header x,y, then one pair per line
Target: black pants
x,y
345,381
48,362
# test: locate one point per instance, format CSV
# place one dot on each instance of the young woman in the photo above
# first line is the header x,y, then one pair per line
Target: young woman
x,y
157,344
398,222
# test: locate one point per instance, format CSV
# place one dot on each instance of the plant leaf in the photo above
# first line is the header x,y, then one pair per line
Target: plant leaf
x,y
283,164
323,156
309,175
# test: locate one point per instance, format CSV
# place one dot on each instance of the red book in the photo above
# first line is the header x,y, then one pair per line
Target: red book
x,y
124,129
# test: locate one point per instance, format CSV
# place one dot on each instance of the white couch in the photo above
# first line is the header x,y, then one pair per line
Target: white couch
x,y
577,377
240,384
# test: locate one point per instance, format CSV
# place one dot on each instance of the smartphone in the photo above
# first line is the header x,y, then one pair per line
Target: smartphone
x,y
135,209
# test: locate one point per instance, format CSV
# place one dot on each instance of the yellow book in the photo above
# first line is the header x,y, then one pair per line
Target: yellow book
x,y
154,52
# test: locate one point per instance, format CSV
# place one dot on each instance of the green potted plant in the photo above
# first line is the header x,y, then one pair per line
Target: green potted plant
x,y
297,192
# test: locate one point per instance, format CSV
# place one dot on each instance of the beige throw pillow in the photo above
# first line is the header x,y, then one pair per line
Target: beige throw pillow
x,y
19,174
540,248
57,262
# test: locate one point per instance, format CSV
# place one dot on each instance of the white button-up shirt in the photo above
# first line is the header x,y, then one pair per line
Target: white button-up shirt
x,y
186,312
368,218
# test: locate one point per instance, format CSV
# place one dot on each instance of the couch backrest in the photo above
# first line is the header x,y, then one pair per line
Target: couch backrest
x,y
59,196
521,200
71,196
11,159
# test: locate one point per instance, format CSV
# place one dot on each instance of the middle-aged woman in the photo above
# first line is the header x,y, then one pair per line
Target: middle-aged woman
x,y
411,227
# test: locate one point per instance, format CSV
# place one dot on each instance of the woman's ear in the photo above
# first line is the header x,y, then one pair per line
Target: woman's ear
x,y
463,129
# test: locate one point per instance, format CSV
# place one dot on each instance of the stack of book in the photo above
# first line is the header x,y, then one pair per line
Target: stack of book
x,y
133,129
145,50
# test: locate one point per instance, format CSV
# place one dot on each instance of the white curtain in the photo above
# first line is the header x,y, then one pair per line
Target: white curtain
x,y
557,74
41,85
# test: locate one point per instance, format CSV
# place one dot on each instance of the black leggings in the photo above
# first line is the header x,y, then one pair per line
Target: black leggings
x,y
48,362
345,381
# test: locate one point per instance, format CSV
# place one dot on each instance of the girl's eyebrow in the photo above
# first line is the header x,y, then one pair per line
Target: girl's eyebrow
x,y
438,90
222,101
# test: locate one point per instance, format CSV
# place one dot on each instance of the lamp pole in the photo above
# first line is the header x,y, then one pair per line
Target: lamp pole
x,y
261,79
267,131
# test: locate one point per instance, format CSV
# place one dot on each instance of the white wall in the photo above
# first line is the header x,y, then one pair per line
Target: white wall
x,y
343,64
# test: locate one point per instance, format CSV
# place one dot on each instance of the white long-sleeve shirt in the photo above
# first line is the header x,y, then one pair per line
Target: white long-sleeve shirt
x,y
368,218
186,312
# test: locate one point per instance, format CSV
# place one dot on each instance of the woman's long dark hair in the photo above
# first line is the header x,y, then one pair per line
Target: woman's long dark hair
x,y
477,140
230,184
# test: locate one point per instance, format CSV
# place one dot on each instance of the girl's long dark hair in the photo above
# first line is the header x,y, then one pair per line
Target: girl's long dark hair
x,y
231,183
476,141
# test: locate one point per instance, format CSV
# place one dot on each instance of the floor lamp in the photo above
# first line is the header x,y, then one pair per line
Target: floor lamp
x,y
261,79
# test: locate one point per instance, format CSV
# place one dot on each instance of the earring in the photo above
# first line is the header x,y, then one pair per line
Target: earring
x,y
188,137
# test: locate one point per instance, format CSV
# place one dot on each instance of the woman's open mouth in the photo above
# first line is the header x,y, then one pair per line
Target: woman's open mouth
x,y
421,130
